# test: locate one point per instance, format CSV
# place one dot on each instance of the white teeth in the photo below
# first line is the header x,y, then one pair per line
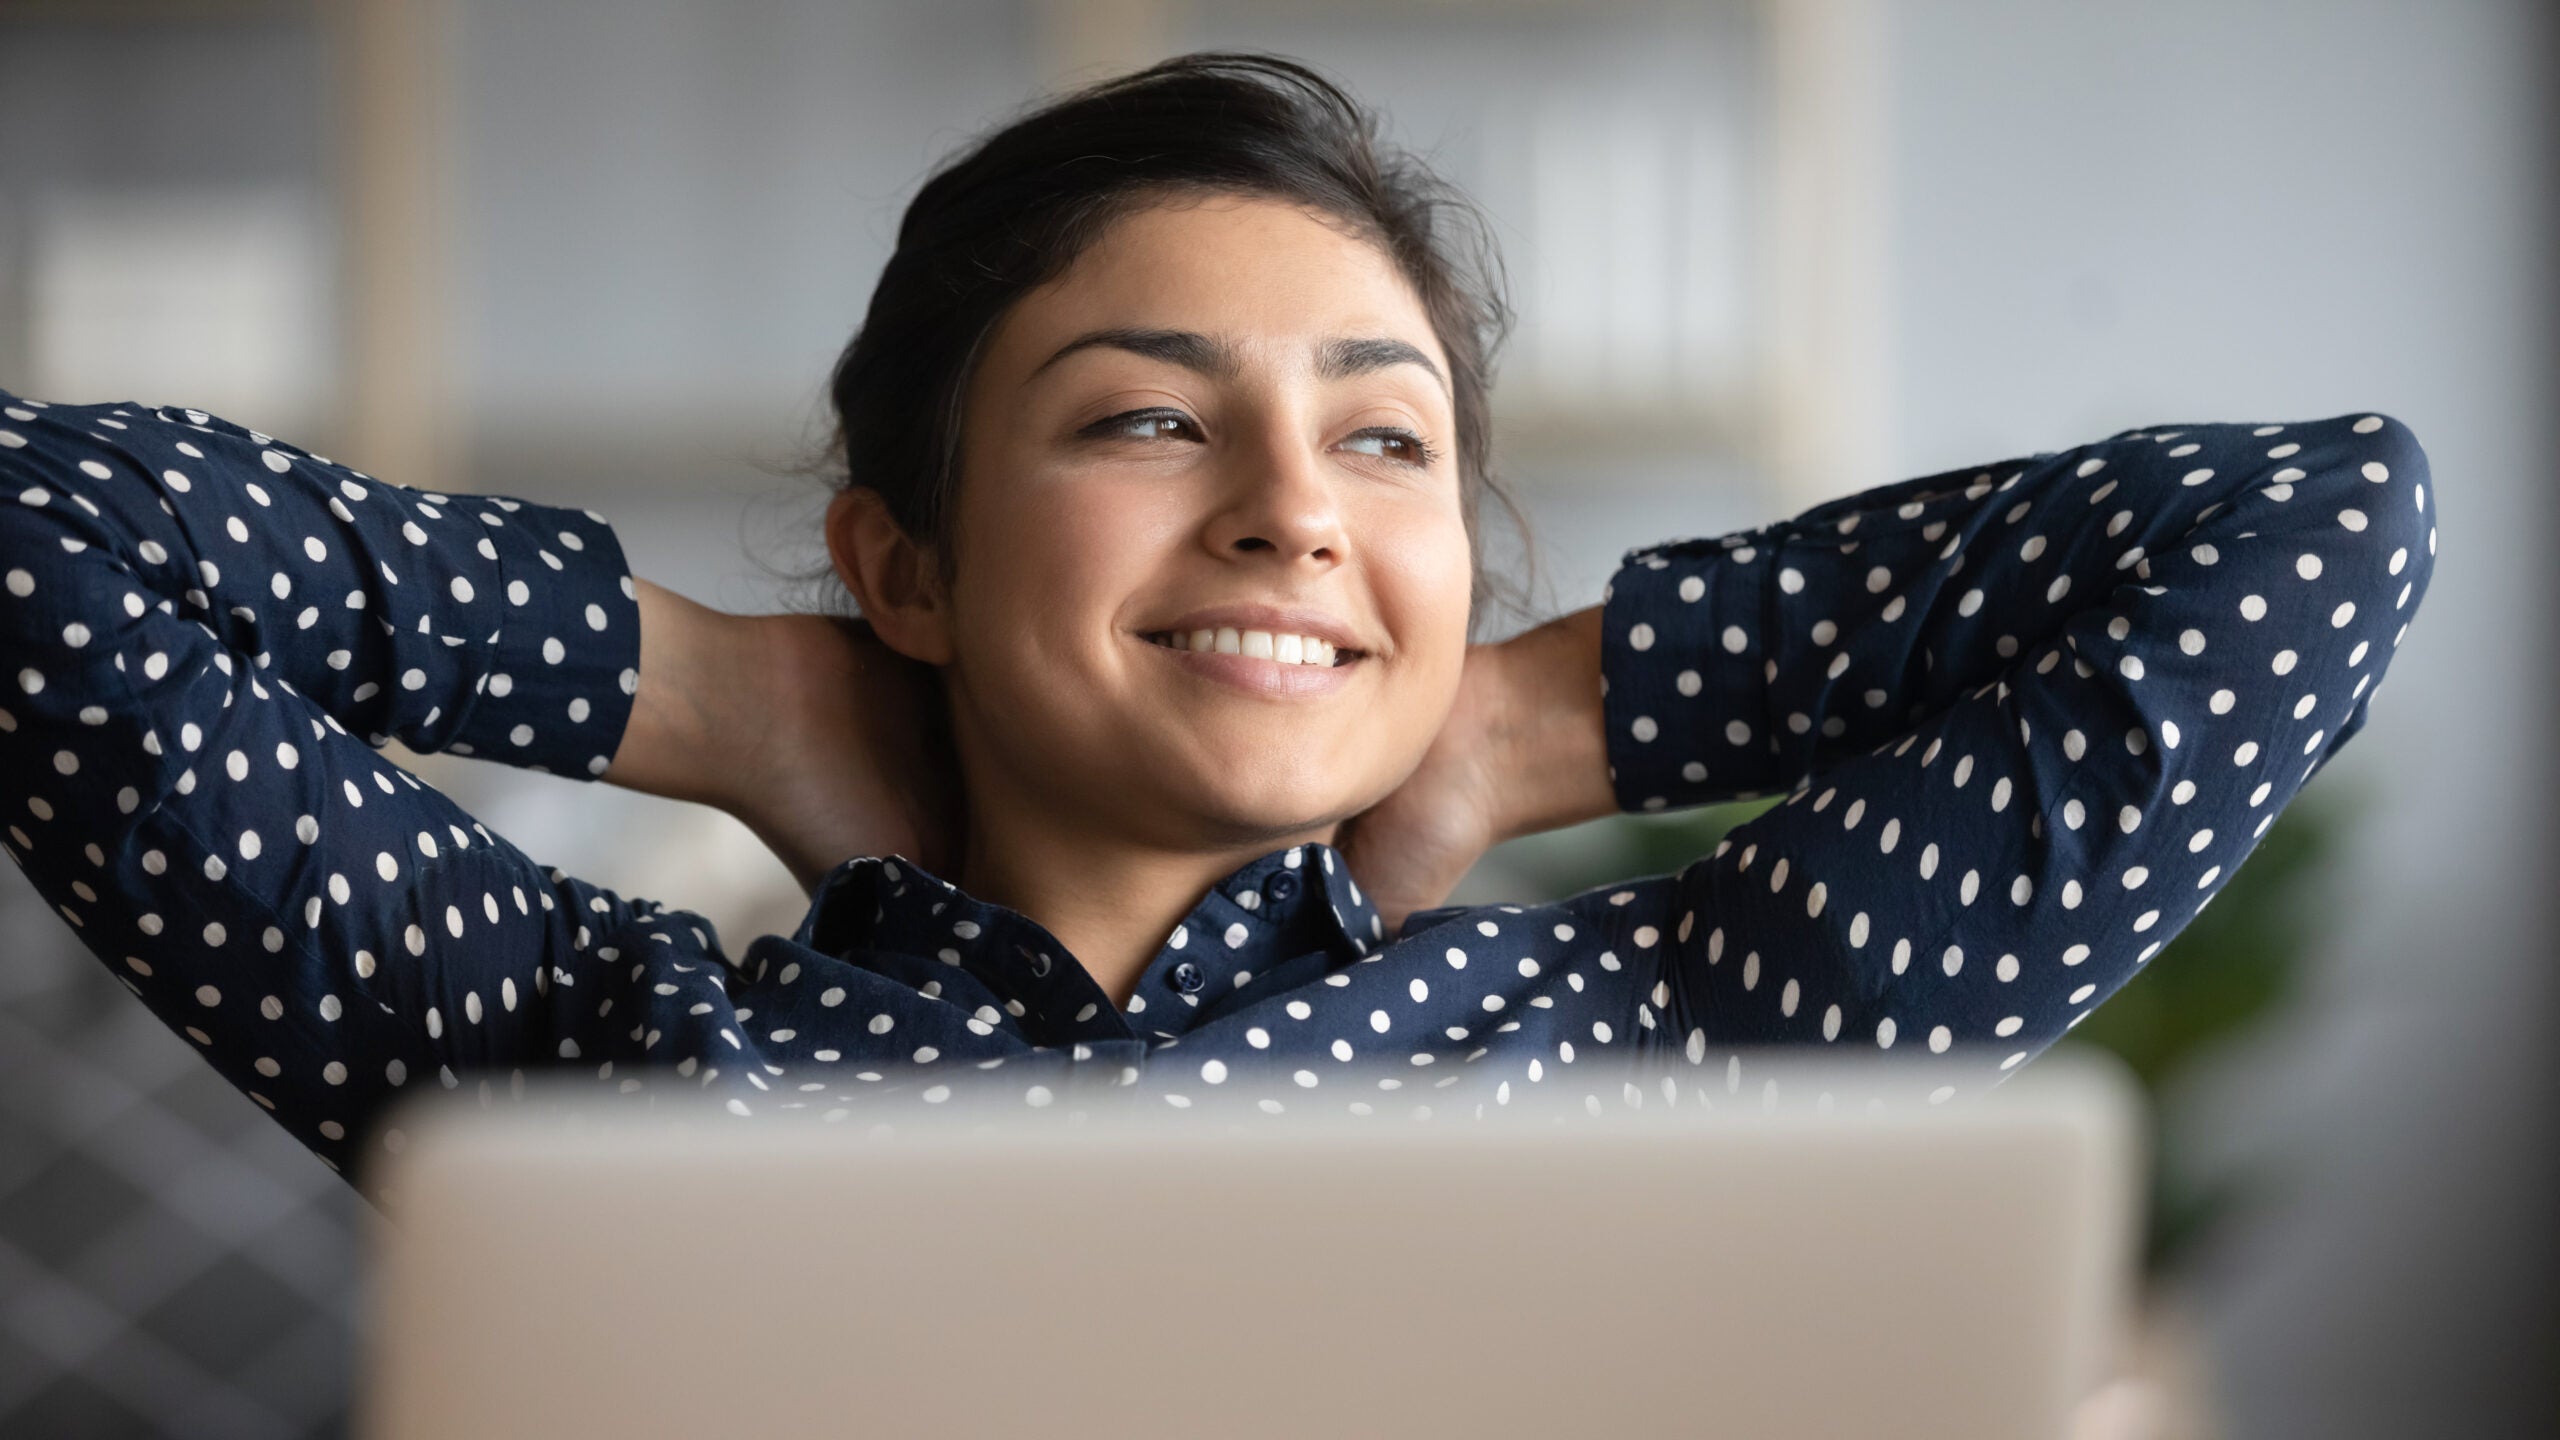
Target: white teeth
x,y
1270,645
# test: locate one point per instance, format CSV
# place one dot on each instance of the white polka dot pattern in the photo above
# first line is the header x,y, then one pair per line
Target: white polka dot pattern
x,y
2027,718
215,653
2227,617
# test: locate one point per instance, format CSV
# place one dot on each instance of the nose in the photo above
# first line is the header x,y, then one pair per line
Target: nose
x,y
1279,502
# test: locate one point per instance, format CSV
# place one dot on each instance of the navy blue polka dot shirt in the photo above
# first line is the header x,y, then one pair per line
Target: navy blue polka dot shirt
x,y
2027,718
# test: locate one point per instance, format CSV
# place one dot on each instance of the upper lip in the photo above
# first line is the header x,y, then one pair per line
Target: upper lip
x,y
1276,619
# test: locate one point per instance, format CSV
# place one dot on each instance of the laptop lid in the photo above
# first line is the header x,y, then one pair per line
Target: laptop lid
x,y
1821,1253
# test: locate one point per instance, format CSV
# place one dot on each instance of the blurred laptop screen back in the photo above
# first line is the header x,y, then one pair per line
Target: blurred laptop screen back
x,y
1710,1263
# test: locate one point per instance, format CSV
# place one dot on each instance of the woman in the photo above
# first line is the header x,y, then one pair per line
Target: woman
x,y
1166,436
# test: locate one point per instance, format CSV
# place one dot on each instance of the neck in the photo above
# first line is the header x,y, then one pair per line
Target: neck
x,y
1109,899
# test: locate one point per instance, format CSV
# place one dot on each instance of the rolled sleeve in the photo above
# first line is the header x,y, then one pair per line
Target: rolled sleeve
x,y
563,665
1684,662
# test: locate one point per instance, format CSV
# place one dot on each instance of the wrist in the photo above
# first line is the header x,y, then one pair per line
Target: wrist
x,y
683,741
1550,732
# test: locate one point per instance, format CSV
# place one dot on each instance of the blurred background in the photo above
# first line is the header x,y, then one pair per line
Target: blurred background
x,y
1764,251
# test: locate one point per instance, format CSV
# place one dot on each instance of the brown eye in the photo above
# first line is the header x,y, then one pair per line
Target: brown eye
x,y
1402,446
1143,425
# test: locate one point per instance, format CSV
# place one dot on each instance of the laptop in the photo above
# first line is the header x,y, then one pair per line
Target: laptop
x,y
1819,1253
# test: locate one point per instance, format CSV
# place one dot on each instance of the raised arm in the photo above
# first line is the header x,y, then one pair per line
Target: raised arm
x,y
200,622
2033,715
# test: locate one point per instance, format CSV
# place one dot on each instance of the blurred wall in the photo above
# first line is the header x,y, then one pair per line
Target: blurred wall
x,y
669,215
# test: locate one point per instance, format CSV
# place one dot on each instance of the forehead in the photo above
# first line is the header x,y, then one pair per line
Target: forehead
x,y
1260,272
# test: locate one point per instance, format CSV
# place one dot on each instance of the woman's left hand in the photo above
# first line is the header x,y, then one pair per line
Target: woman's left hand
x,y
1521,751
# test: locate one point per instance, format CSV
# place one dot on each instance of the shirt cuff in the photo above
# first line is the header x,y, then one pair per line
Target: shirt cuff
x,y
561,674
1683,661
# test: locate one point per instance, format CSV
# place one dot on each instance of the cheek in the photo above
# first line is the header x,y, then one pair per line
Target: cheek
x,y
1424,574
1045,569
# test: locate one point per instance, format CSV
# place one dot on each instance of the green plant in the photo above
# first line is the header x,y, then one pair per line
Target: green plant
x,y
2234,965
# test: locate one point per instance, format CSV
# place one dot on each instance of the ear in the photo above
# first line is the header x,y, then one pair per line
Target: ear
x,y
895,581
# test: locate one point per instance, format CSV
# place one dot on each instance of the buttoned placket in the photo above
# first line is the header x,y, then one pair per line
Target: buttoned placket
x,y
1281,920
1284,920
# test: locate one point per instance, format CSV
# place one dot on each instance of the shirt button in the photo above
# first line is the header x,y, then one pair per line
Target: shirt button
x,y
1187,978
1283,885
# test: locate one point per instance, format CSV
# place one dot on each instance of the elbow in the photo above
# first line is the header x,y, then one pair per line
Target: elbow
x,y
33,536
34,505
2390,507
27,492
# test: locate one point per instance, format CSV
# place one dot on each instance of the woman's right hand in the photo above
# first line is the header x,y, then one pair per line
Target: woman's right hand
x,y
855,758
811,731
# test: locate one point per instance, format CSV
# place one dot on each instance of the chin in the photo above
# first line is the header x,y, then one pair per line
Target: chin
x,y
1268,817
1230,812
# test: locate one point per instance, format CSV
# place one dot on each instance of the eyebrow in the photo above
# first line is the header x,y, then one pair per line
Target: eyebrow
x,y
1342,359
1336,359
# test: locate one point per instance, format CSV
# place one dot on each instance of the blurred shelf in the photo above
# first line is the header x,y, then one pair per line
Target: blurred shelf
x,y
1730,423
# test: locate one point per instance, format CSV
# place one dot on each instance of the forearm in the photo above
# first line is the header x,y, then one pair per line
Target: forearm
x,y
479,625
1743,665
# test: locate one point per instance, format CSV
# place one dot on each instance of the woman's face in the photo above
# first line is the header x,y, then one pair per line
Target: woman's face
x,y
1228,422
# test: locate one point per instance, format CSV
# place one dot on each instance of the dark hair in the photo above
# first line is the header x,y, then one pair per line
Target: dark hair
x,y
1013,209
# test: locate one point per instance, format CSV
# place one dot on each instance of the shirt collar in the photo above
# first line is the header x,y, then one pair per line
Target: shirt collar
x,y
1285,918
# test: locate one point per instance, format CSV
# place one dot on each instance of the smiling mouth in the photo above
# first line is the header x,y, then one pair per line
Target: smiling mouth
x,y
1278,647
